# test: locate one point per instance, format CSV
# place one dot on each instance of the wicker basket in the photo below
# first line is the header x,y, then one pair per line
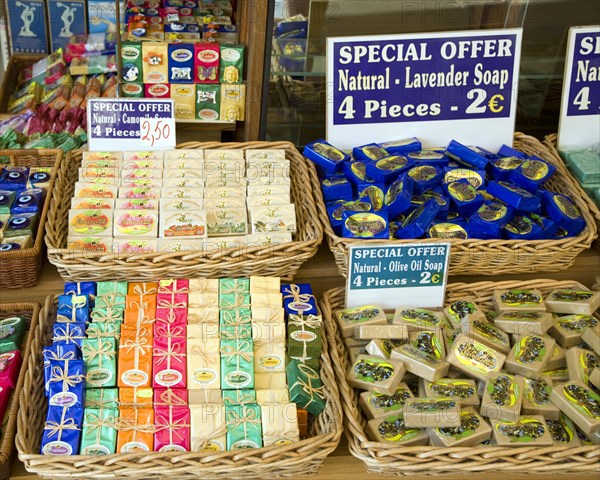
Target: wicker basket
x,y
491,257
9,83
22,268
31,313
281,260
300,458
431,460
550,143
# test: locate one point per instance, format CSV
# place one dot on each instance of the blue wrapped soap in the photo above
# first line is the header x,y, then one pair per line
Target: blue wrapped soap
x,y
563,211
442,201
522,227
506,151
487,222
373,193
14,178
388,169
369,153
398,196
431,157
328,157
73,308
502,168
549,228
365,225
66,384
62,431
466,156
419,221
28,201
356,172
336,211
80,288
425,177
335,187
532,173
400,147
69,333
464,197
474,177
58,351
514,196
449,229
298,299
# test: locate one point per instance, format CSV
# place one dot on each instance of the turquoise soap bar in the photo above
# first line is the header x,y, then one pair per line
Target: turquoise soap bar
x,y
585,166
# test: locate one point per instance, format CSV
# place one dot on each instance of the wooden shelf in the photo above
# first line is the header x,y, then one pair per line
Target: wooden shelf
x,y
321,272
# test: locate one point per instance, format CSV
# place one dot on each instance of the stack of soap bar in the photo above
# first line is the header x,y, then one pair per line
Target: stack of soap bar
x,y
583,163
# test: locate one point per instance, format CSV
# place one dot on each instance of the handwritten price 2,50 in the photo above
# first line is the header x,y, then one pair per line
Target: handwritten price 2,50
x,y
154,131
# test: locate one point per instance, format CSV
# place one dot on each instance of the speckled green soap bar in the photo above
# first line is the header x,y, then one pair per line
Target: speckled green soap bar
x,y
585,166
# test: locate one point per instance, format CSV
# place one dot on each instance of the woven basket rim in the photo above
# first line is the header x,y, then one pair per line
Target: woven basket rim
x,y
309,234
314,448
338,244
8,438
397,460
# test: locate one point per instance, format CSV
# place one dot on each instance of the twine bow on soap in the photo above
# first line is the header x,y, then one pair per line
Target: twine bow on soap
x,y
199,285
113,299
108,314
247,417
97,333
104,349
138,345
241,399
240,351
60,374
172,426
308,387
293,292
171,304
202,354
172,351
95,424
171,286
101,403
311,321
238,302
126,424
56,428
205,439
52,355
237,287
142,289
287,433
67,334
77,303
169,399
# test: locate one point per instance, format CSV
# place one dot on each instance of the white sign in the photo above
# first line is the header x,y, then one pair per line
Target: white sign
x,y
434,86
579,124
115,124
411,274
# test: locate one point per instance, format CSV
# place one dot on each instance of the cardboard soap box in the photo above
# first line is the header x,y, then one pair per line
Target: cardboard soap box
x,y
27,22
65,18
102,15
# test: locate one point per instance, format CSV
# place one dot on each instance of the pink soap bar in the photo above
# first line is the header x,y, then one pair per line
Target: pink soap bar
x,y
165,397
172,429
169,360
174,285
10,364
172,300
4,398
175,316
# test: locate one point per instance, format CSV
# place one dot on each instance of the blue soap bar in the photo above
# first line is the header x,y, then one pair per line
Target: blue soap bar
x,y
41,178
514,196
474,177
28,201
449,229
325,155
336,211
442,201
388,169
484,152
298,299
465,155
80,288
370,152
419,221
58,351
13,178
532,173
336,186
356,172
464,197
563,211
398,196
522,227
365,225
549,228
181,61
400,147
506,151
62,431
374,194
432,157
69,333
487,222
501,168
425,177
66,384
73,308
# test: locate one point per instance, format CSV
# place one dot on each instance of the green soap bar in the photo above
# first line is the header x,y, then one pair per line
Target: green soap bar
x,y
234,285
98,435
7,197
107,314
110,300
100,356
104,330
305,386
237,364
232,301
241,332
102,398
106,288
244,428
310,360
21,225
235,317
239,397
12,331
585,166
305,329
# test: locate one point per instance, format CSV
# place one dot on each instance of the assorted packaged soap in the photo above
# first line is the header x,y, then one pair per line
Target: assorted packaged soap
x,y
12,334
526,373
22,194
180,200
402,190
178,365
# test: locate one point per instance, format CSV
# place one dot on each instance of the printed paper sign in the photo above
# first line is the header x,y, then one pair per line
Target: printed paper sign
x,y
434,86
579,124
412,274
115,124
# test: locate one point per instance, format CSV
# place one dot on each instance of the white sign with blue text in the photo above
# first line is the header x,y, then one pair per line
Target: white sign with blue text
x,y
434,86
579,124
411,275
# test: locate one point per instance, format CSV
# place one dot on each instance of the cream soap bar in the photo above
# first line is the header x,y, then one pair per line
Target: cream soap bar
x,y
583,302
377,374
135,223
516,299
474,358
273,218
431,412
363,315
